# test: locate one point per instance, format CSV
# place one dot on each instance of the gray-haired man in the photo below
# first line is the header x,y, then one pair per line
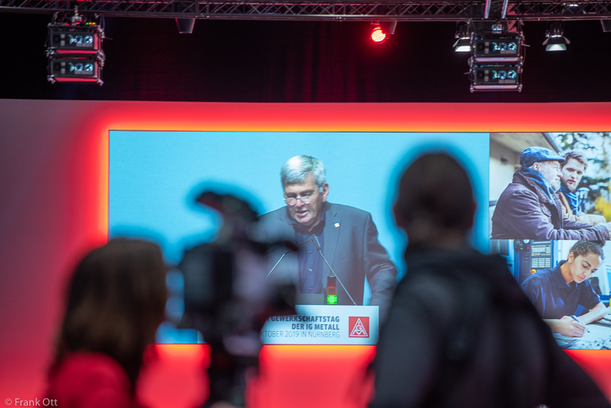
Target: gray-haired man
x,y
346,236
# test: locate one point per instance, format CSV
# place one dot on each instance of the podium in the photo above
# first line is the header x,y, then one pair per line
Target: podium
x,y
324,324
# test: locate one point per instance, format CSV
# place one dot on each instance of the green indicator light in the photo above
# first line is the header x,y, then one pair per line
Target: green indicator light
x,y
331,299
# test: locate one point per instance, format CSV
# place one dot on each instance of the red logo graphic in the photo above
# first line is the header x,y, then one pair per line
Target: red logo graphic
x,y
358,327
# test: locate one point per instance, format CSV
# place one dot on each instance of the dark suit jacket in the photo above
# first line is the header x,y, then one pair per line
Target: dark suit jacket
x,y
350,245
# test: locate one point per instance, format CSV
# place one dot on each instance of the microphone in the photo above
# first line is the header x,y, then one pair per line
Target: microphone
x,y
319,249
292,247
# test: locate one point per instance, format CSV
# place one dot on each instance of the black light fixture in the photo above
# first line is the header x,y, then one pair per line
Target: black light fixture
x,y
380,30
75,68
496,76
555,39
496,61
495,47
185,25
74,49
463,38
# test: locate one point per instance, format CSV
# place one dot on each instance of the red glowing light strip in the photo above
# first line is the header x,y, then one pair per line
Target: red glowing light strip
x,y
339,117
59,79
84,52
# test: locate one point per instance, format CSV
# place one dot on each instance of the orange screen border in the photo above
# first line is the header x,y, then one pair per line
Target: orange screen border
x,y
342,117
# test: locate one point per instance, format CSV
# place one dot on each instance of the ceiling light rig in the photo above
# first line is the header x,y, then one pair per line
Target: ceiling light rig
x,y
496,60
555,39
463,38
381,30
74,49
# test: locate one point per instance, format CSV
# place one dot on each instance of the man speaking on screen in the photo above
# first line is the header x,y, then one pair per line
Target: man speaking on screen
x,y
335,244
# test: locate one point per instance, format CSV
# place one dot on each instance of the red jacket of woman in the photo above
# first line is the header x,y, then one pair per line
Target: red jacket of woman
x,y
90,380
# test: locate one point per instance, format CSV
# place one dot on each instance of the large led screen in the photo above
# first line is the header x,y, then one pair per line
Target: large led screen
x,y
155,176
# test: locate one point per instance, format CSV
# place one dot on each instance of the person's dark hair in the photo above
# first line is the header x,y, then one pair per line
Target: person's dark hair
x,y
588,247
435,195
577,155
115,302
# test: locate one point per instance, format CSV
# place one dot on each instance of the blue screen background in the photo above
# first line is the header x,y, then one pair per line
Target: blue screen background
x,y
155,175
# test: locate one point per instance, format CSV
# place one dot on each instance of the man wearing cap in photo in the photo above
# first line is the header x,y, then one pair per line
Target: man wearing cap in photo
x,y
529,208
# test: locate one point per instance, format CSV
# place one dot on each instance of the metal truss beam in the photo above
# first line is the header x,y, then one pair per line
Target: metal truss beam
x,y
425,10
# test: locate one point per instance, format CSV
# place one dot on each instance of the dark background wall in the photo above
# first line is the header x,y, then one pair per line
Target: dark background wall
x,y
271,61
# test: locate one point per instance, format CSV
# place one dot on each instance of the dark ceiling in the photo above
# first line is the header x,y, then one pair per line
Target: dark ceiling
x,y
291,61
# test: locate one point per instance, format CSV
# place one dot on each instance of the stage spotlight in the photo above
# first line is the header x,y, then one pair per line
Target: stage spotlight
x,y
78,39
185,25
75,68
496,58
74,50
496,76
495,47
463,38
378,35
381,30
555,41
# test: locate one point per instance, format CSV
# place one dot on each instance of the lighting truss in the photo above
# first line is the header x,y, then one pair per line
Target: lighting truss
x,y
400,10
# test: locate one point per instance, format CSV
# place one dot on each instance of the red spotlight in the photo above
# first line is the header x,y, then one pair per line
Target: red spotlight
x,y
380,30
378,36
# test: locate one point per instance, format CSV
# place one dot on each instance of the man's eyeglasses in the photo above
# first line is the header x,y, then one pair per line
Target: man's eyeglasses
x,y
305,199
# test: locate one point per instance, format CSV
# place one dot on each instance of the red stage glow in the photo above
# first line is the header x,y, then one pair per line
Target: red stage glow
x,y
176,377
324,117
73,180
401,117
